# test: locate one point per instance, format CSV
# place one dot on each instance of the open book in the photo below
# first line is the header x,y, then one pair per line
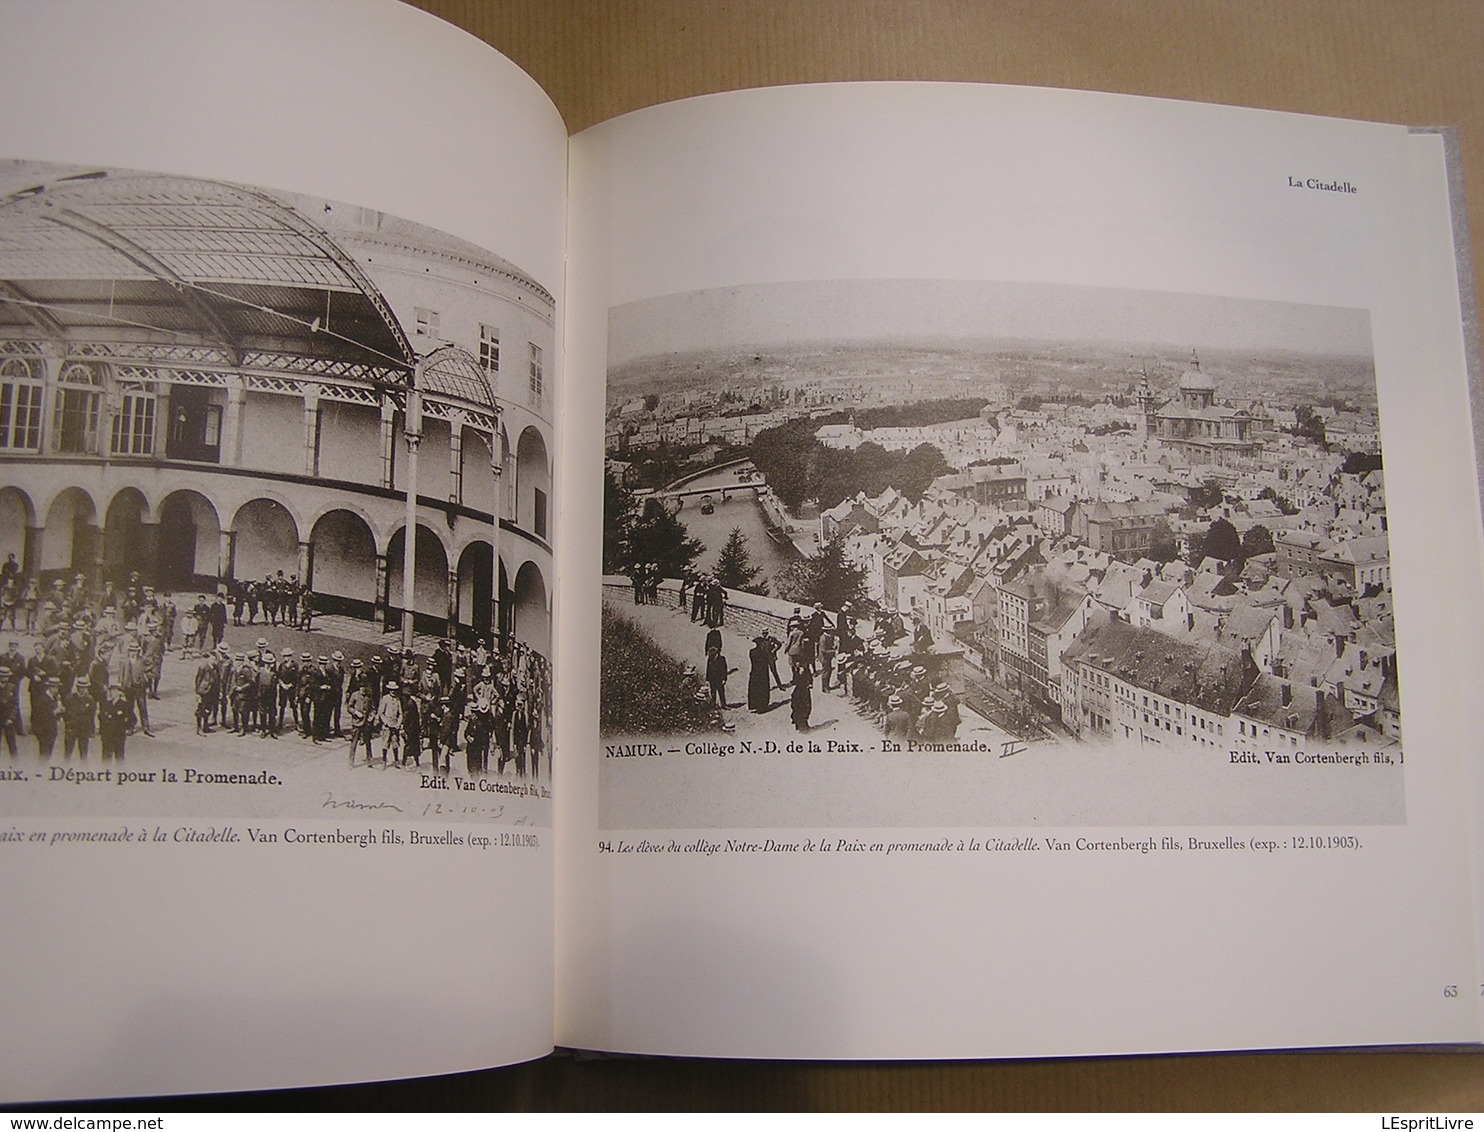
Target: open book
x,y
898,571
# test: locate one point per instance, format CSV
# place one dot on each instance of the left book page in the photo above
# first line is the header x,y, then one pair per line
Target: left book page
x,y
278,284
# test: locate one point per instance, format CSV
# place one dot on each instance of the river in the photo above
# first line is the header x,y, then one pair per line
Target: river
x,y
740,509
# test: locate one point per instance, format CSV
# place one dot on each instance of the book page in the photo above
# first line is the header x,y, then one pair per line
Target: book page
x,y
279,298
1036,579
1453,332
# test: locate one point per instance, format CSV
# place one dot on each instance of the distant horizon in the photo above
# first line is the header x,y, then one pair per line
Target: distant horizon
x,y
1132,347
901,312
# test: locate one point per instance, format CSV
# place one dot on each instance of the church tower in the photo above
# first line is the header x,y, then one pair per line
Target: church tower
x,y
1148,405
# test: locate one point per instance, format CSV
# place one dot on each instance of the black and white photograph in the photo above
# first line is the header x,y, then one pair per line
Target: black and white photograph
x,y
957,553
222,409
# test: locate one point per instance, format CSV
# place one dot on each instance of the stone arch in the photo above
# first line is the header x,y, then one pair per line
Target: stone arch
x,y
475,475
70,536
189,553
429,584
266,540
342,563
531,614
128,538
474,593
532,483
17,518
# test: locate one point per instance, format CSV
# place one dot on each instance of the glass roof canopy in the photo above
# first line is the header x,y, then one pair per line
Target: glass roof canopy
x,y
133,258
451,372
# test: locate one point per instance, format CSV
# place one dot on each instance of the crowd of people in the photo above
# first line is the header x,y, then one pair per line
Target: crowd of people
x,y
902,691
392,709
100,651
281,599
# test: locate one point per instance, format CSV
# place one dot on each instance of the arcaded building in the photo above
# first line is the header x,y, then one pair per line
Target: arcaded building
x,y
206,383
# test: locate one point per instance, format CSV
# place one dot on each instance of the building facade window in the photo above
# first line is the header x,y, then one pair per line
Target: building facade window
x,y
195,431
538,376
134,427
20,406
426,322
538,515
489,349
79,396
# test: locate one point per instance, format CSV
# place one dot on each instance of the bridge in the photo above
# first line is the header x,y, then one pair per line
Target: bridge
x,y
720,494
722,489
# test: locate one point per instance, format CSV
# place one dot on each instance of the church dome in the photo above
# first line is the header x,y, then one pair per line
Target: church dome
x,y
1196,381
1193,380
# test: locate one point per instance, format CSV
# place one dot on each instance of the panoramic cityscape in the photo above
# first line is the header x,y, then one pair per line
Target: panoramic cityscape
x,y
989,540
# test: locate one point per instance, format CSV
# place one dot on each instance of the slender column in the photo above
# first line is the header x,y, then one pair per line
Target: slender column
x,y
412,432
382,598
496,597
31,549
306,565
149,552
51,363
96,538
451,624
231,448
226,556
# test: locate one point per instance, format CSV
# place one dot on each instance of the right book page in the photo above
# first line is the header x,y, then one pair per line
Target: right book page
x,y
1038,578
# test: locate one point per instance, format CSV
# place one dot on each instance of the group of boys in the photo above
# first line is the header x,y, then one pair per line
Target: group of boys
x,y
281,598
256,692
459,697
900,691
94,668
472,699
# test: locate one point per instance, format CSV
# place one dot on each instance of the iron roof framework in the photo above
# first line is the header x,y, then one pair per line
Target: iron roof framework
x,y
173,271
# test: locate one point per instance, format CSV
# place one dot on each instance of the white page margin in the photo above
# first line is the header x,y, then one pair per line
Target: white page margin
x,y
958,958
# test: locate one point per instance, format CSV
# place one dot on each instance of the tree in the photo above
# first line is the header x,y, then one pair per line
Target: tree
x,y
734,569
1221,543
783,455
659,537
1359,463
1257,540
919,468
1310,425
1163,546
1208,495
826,579
1282,502
618,516
651,402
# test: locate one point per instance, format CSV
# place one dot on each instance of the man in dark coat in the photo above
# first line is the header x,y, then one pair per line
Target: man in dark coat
x,y
759,661
207,677
217,617
801,701
79,719
716,675
115,718
46,714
